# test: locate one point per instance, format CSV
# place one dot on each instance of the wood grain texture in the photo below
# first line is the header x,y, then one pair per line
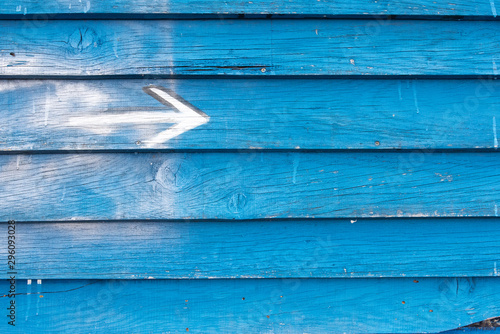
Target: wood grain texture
x,y
255,114
323,7
348,248
187,218
254,306
249,47
247,185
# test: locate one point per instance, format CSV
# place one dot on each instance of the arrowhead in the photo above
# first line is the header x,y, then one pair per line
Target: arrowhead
x,y
189,116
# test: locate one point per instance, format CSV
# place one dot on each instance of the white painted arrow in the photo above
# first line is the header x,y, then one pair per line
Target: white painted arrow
x,y
185,117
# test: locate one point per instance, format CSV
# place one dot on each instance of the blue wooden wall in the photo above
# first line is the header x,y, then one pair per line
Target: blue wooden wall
x,y
251,166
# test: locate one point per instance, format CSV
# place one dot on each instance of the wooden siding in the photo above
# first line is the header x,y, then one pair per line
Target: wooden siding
x,y
47,9
319,248
250,167
248,185
254,305
249,47
246,114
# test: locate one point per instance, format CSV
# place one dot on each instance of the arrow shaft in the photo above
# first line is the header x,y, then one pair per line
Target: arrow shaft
x,y
127,118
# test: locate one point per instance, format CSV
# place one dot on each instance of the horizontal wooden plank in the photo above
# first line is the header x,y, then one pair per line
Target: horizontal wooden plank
x,y
324,7
258,249
252,114
252,306
249,47
247,185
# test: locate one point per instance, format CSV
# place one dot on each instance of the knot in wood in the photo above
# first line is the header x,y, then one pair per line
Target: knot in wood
x,y
237,202
83,38
176,174
457,288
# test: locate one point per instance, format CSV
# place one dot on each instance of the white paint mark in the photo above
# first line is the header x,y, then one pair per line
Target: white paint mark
x,y
25,10
87,7
115,47
495,139
18,161
353,221
296,162
496,210
399,91
38,281
48,103
184,118
415,99
493,8
28,307
19,8
64,194
495,68
495,271
38,292
12,86
46,115
69,6
188,118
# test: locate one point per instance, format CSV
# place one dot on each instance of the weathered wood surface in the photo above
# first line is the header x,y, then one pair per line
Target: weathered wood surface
x,y
249,47
187,218
254,114
401,305
300,7
345,248
247,185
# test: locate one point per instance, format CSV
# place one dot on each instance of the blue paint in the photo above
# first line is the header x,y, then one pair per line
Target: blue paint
x,y
257,114
126,8
258,48
249,305
320,231
232,185
343,248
